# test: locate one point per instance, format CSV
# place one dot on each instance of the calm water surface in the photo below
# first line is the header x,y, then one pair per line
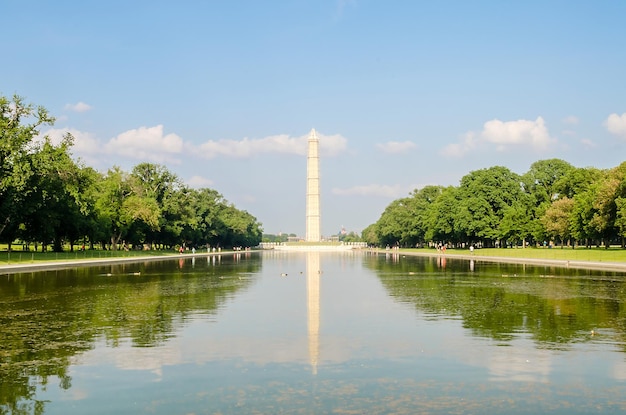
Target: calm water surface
x,y
313,333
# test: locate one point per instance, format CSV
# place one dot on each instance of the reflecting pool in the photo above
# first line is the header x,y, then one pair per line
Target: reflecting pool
x,y
313,333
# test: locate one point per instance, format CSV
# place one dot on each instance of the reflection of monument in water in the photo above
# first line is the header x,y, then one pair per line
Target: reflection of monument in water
x,y
313,189
313,307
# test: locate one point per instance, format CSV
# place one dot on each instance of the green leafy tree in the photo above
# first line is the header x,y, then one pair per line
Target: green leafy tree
x,y
556,219
94,228
543,183
583,213
216,222
542,178
208,227
440,218
422,202
405,221
390,225
19,126
53,213
515,225
156,182
620,220
610,188
576,181
484,197
241,228
370,235
120,205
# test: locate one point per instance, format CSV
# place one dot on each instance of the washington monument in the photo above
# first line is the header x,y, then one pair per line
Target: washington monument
x,y
313,189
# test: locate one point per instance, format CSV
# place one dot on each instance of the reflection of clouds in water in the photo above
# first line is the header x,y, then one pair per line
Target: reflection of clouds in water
x,y
519,360
198,344
74,394
519,363
127,357
150,359
619,370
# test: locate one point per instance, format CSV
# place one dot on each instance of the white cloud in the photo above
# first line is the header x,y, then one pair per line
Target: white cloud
x,y
571,120
390,191
616,124
505,135
86,146
144,143
84,143
456,150
153,145
520,132
147,144
330,145
198,182
78,107
394,147
249,147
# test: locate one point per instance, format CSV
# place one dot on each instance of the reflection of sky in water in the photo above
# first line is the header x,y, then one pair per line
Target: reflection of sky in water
x,y
267,345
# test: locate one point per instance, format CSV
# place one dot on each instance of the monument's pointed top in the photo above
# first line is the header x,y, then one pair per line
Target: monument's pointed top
x,y
313,135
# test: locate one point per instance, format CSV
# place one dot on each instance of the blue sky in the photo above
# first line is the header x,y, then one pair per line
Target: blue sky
x,y
403,94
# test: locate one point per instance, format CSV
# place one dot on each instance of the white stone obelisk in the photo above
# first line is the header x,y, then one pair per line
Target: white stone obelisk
x,y
313,189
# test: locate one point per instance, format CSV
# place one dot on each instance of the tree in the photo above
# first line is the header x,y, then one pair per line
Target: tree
x,y
610,188
515,224
441,216
241,228
556,219
484,197
207,226
582,215
52,212
215,222
422,202
120,205
542,177
370,235
405,221
392,222
543,183
156,182
576,181
19,126
620,220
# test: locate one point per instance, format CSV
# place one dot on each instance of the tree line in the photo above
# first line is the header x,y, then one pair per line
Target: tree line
x,y
553,203
49,199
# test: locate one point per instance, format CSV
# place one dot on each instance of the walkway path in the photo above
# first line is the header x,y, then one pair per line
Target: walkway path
x,y
603,266
50,265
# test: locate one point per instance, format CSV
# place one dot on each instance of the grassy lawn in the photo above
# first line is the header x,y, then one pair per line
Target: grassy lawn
x,y
613,254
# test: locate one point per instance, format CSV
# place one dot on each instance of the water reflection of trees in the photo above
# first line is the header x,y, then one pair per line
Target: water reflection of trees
x,y
555,306
49,317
